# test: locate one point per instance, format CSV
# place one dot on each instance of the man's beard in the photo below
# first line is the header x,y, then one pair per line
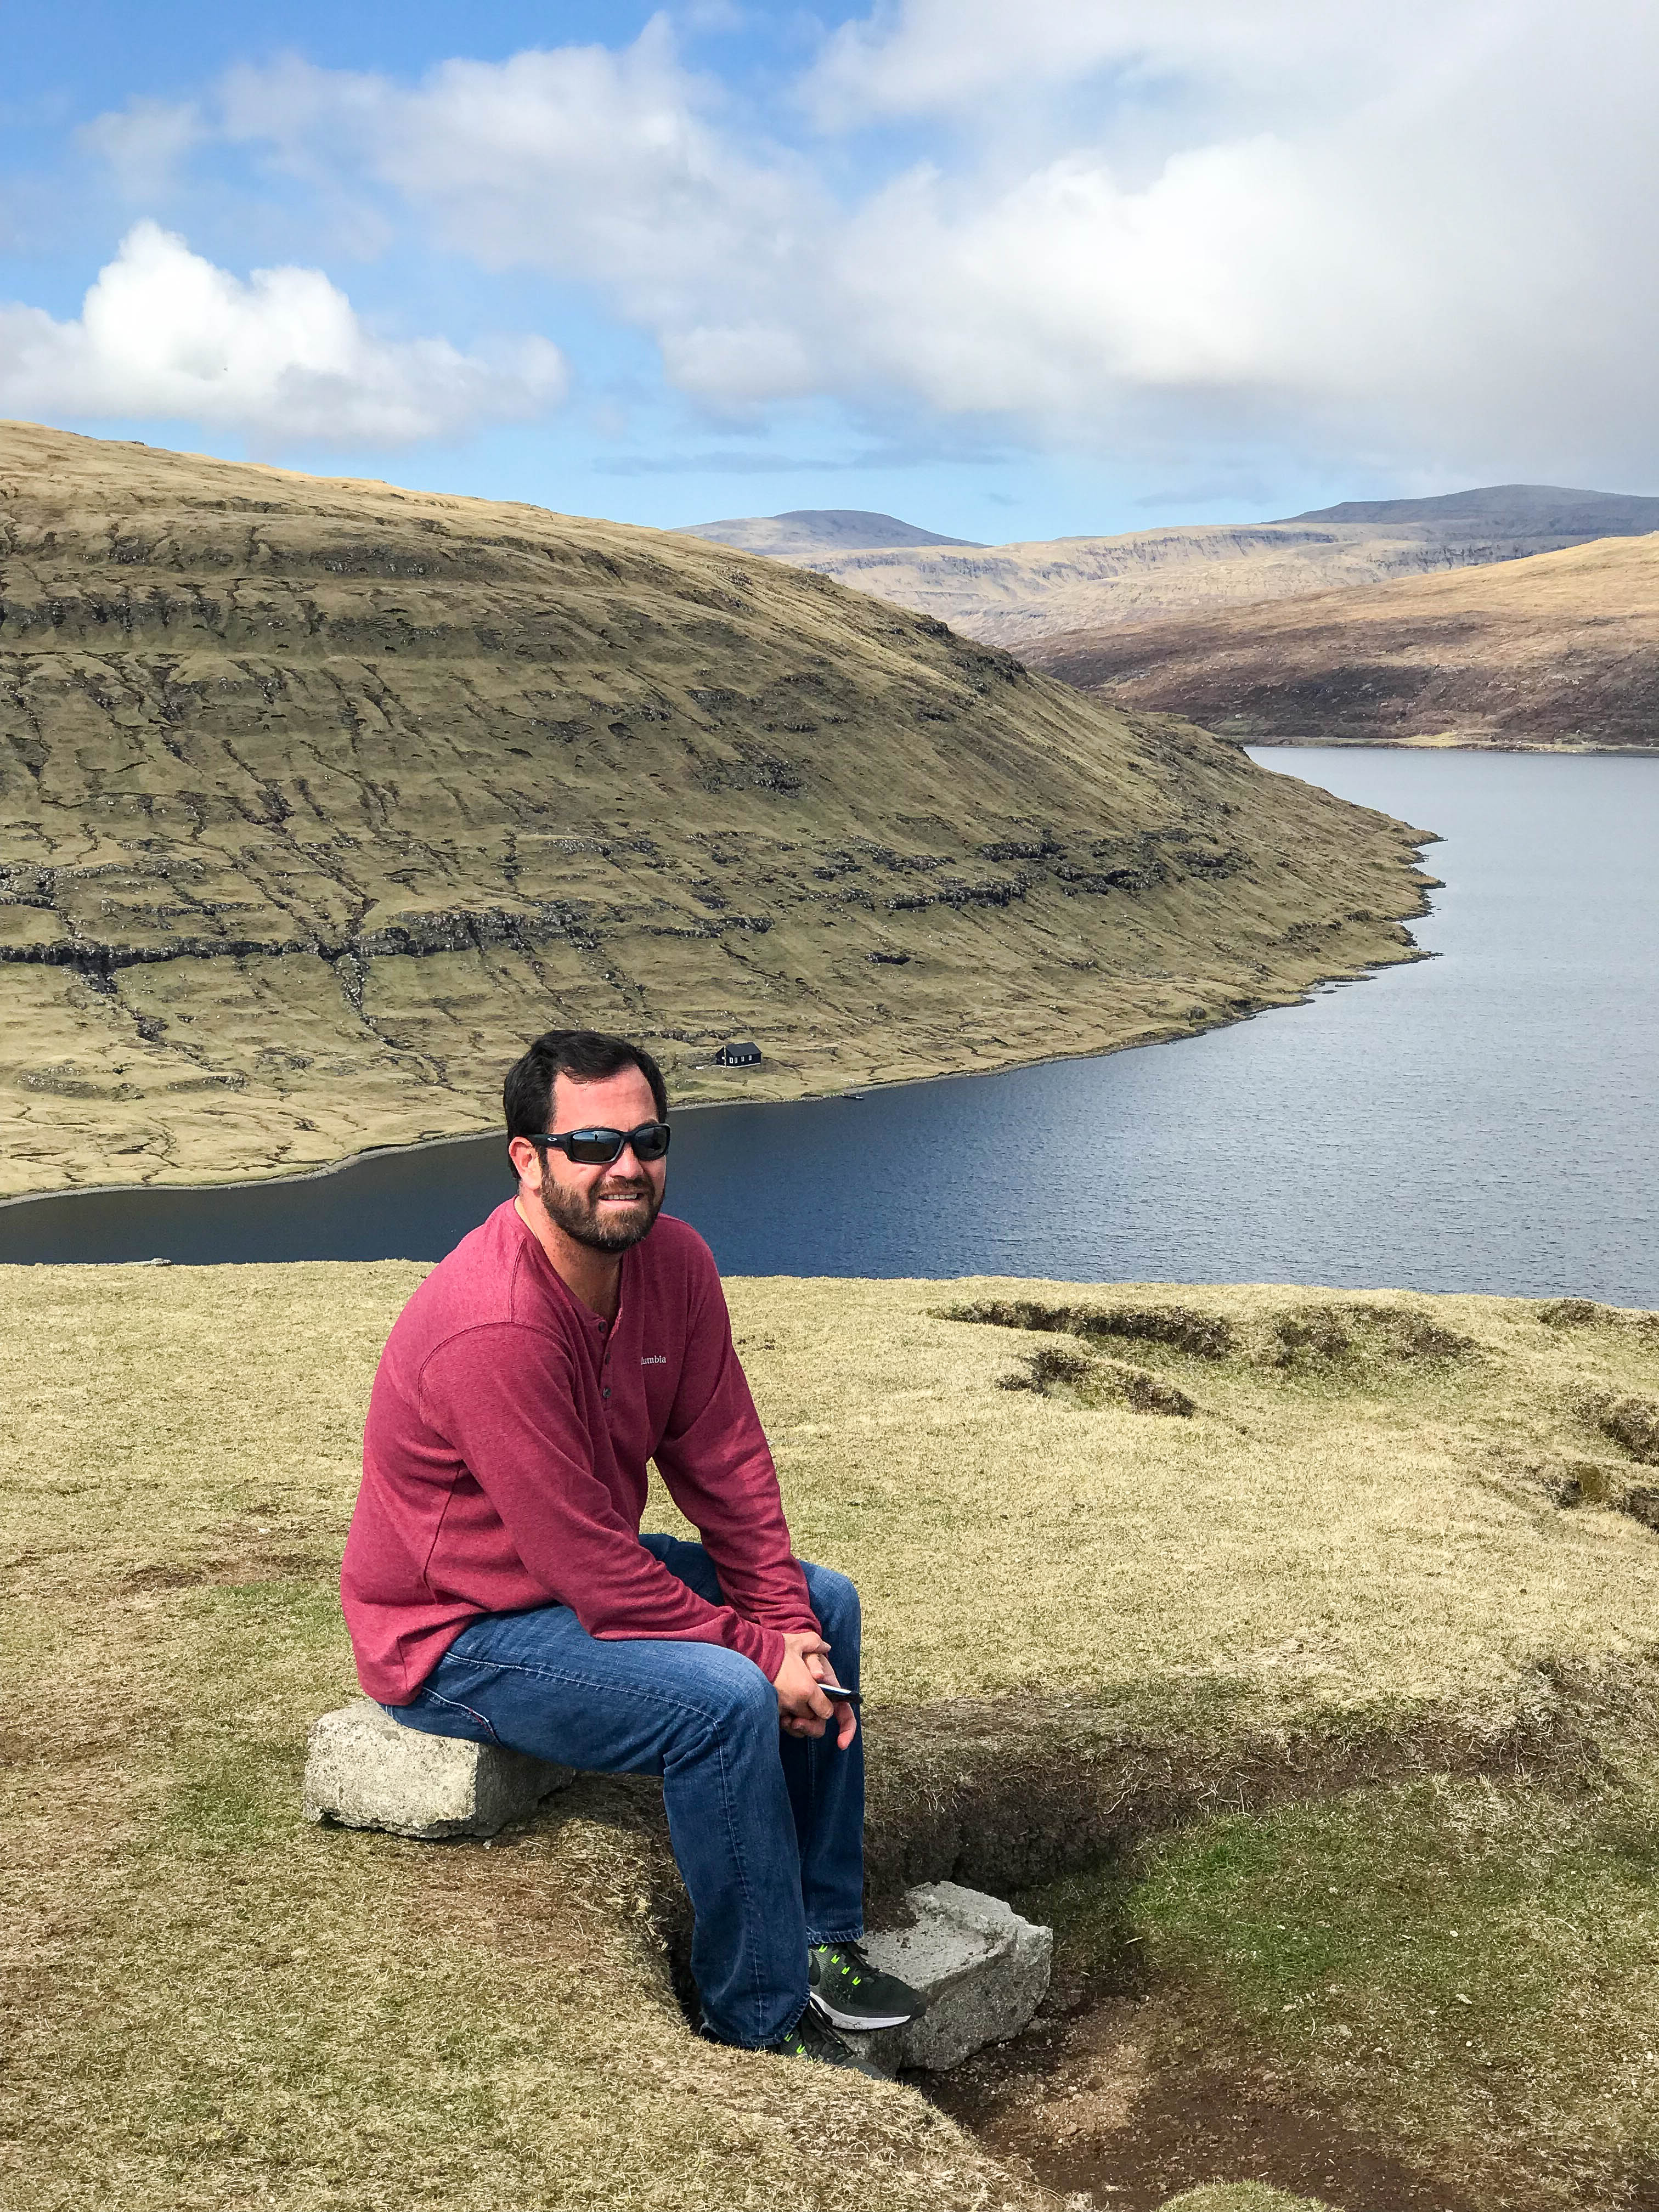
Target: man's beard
x,y
582,1218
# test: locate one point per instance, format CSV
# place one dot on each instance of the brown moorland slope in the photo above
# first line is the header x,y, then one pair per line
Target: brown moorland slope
x,y
1014,595
316,798
1557,652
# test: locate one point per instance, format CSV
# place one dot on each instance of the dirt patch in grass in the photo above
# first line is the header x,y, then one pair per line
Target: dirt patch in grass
x,y
1204,1336
1076,1380
1093,2113
160,1578
1630,1422
1352,1332
300,1566
1443,1987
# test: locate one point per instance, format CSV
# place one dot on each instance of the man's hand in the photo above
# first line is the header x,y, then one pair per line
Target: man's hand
x,y
803,1708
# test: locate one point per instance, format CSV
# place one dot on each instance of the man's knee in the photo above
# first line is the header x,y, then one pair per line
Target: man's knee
x,y
738,1696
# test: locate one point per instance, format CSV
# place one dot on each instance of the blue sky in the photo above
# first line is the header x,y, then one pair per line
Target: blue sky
x,y
1083,265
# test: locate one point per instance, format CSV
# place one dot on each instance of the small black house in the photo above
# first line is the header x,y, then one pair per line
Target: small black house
x,y
737,1055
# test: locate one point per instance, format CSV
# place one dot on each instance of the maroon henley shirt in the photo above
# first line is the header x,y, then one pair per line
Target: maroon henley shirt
x,y
504,1461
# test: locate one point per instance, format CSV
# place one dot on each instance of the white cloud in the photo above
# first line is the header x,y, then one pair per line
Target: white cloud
x,y
144,143
943,57
715,17
164,334
1426,234
607,166
1429,232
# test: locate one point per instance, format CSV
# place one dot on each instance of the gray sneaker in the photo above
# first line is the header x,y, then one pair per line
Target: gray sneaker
x,y
852,1994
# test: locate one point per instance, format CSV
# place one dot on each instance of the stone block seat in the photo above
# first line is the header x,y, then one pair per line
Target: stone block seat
x,y
364,1771
983,1970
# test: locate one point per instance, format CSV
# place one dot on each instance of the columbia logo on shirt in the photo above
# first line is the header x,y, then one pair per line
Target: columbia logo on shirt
x,y
653,1360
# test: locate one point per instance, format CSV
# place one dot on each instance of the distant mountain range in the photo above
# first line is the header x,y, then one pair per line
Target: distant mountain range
x,y
1557,652
807,534
1550,510
1015,595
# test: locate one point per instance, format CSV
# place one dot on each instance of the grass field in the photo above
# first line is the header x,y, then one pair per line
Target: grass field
x,y
1304,1639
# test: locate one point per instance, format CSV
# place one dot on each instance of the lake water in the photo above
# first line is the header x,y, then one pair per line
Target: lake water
x,y
1481,1121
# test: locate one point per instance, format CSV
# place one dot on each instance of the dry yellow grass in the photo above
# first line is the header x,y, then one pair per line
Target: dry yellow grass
x,y
209,2003
1357,1531
317,799
1335,1535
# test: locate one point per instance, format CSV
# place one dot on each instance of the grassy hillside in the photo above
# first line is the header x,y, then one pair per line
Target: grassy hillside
x,y
1557,651
1292,1651
317,799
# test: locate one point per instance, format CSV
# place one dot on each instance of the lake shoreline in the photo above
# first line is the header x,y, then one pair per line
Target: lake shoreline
x,y
1475,1121
1456,742
1244,1012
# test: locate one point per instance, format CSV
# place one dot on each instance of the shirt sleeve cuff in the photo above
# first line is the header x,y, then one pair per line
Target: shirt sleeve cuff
x,y
765,1646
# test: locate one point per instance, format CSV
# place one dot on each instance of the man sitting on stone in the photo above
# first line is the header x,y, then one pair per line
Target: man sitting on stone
x,y
497,1587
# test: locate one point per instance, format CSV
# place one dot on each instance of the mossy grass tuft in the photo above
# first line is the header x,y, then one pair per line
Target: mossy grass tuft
x,y
1334,1332
1464,1967
1205,1336
1069,1375
1241,2196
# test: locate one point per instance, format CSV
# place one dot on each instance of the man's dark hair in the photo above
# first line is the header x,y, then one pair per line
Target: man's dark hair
x,y
585,1056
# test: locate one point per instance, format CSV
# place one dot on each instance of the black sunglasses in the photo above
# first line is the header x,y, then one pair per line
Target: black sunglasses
x,y
597,1148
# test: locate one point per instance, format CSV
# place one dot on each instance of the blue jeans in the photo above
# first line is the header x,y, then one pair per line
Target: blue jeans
x,y
768,1829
